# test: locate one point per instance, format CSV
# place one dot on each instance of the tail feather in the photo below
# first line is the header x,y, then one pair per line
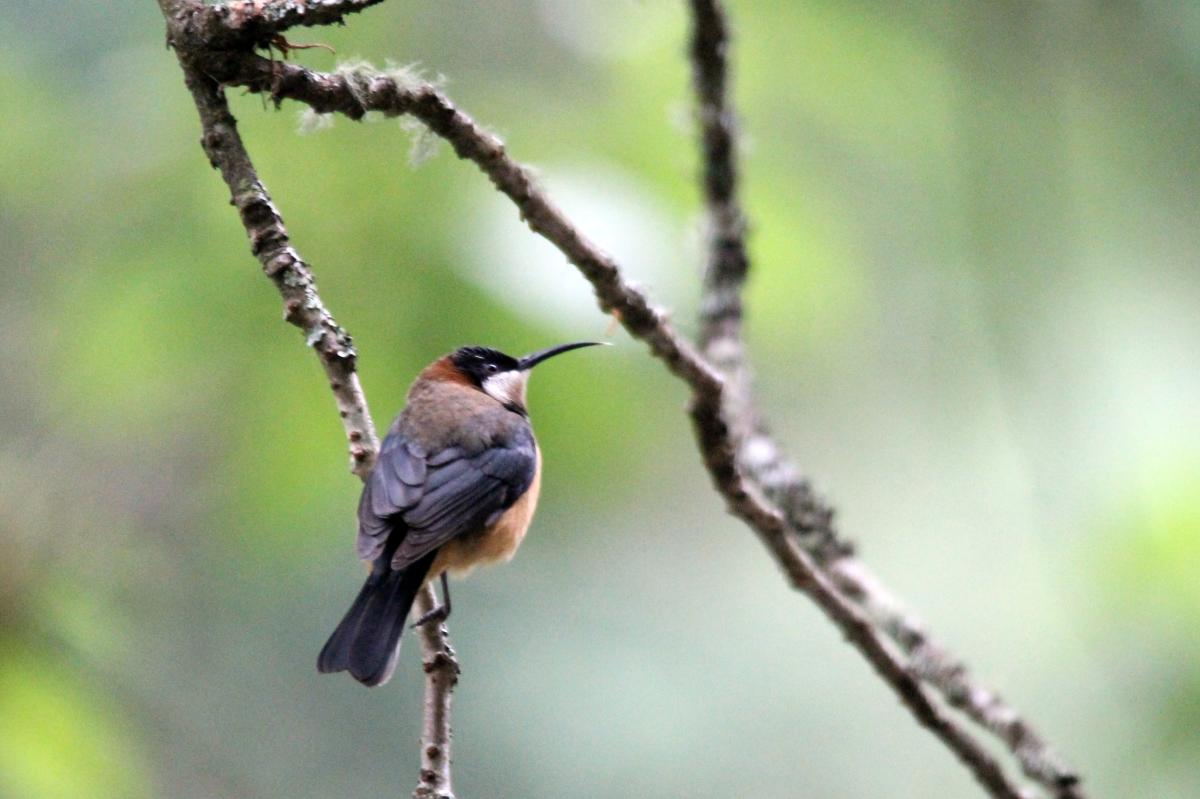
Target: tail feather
x,y
367,641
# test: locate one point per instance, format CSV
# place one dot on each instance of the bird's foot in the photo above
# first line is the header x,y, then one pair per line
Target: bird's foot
x,y
438,614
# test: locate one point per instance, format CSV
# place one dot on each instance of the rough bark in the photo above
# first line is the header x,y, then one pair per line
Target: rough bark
x,y
303,308
759,485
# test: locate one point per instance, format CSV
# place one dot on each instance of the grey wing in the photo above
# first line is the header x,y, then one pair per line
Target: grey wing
x,y
395,484
464,494
457,494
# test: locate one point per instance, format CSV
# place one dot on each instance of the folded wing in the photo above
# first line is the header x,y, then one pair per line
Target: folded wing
x,y
415,501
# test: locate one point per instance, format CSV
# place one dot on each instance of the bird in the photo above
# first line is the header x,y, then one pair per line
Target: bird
x,y
454,486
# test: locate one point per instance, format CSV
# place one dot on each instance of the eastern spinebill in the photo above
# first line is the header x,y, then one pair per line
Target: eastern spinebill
x,y
454,487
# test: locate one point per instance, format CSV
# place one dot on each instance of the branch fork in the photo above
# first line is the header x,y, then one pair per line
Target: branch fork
x,y
215,46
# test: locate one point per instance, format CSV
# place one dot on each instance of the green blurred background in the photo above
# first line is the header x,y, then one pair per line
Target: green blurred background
x,y
974,318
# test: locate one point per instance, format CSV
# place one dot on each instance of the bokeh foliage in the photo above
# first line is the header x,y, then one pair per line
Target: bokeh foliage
x,y
974,317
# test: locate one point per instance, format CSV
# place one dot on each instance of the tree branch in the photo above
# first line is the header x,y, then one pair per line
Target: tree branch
x,y
761,458
303,308
355,92
732,441
725,272
269,242
441,670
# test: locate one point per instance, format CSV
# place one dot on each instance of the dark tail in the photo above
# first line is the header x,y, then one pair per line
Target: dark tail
x,y
367,641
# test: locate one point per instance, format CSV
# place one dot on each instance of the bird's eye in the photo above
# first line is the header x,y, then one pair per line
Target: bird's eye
x,y
492,368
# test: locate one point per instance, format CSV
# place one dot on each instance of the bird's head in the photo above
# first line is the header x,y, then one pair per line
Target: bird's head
x,y
501,376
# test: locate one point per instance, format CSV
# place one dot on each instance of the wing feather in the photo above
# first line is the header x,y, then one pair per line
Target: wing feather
x,y
414,501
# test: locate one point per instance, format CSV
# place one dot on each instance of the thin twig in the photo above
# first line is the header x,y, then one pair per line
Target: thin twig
x,y
303,308
761,458
354,93
441,670
725,272
269,242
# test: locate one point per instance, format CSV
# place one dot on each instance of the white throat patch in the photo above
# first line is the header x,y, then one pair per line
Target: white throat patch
x,y
507,387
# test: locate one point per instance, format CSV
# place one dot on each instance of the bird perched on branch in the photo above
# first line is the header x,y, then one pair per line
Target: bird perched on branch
x,y
454,487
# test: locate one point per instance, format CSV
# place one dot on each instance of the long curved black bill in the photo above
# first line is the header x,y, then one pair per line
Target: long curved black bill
x,y
534,358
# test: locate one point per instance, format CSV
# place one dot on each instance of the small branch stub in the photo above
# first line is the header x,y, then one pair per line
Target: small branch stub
x,y
215,48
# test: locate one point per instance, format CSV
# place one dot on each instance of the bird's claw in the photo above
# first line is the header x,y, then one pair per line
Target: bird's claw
x,y
438,614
